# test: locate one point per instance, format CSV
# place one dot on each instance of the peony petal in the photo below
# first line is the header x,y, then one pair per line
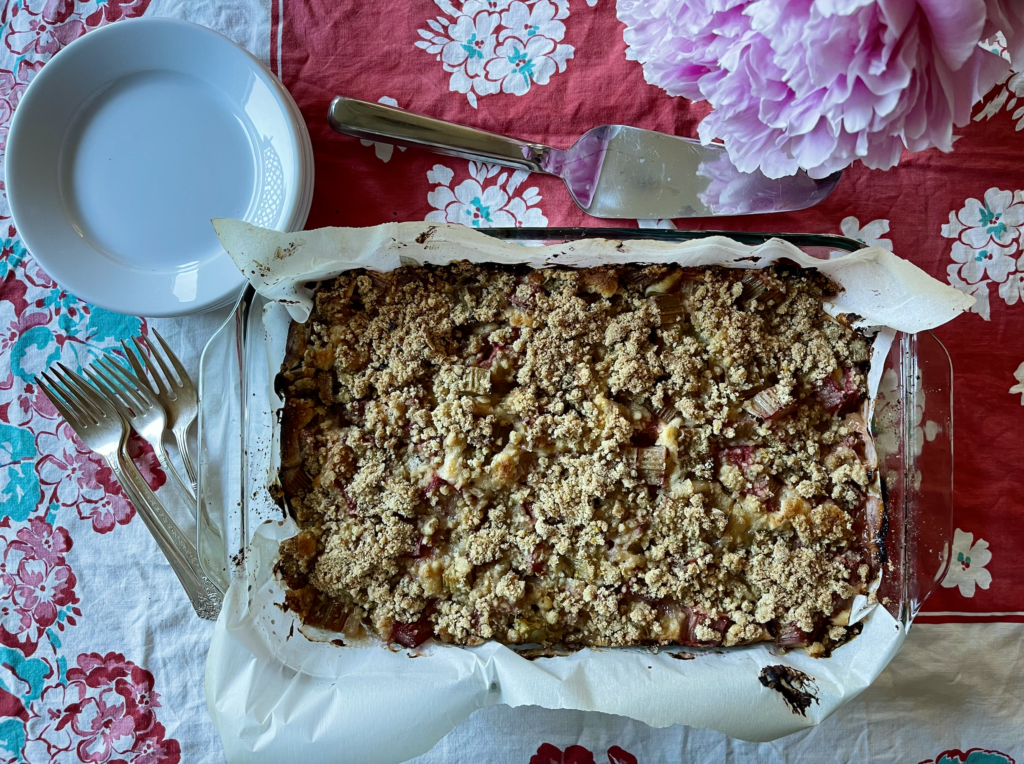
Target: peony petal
x,y
955,27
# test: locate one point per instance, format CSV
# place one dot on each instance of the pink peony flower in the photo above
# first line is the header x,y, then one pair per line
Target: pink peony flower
x,y
818,84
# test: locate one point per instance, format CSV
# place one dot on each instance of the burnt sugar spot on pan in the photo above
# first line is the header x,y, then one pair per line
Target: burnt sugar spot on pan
x,y
796,688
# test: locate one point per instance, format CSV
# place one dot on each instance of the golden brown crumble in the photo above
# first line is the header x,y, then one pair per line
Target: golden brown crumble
x,y
613,456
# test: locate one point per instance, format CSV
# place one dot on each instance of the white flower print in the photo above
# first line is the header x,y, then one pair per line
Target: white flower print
x,y
517,66
967,568
474,202
384,151
523,22
1012,289
473,7
493,46
1019,387
995,222
978,263
472,42
978,291
1006,96
870,234
656,223
987,248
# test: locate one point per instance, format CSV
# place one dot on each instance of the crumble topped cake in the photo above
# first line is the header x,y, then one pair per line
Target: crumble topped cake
x,y
612,456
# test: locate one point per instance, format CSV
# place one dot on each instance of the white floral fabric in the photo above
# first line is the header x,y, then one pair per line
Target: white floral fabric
x,y
967,564
986,248
498,46
491,196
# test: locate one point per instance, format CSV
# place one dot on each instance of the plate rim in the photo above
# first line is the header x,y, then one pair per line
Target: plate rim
x,y
293,217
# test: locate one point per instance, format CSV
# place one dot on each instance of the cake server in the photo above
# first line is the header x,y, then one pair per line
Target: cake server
x,y
612,171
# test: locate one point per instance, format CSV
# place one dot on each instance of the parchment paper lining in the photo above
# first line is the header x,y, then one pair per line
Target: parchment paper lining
x,y
272,690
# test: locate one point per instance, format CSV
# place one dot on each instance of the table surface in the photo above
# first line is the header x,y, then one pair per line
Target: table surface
x,y
100,655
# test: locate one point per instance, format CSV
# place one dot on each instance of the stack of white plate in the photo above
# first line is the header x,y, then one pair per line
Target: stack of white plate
x,y
125,146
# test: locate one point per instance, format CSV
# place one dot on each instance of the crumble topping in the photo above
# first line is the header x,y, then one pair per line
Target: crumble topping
x,y
610,456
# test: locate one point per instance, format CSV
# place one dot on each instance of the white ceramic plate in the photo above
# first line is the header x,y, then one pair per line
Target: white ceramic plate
x,y
125,146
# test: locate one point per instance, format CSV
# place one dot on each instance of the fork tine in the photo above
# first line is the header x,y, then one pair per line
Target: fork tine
x,y
74,392
131,389
161,387
94,397
168,354
87,394
102,380
133,361
116,395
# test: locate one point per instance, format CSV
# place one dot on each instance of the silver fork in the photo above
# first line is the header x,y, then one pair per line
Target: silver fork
x,y
176,392
103,430
142,411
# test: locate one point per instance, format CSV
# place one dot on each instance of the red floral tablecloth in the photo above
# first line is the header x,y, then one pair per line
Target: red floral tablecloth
x,y
99,651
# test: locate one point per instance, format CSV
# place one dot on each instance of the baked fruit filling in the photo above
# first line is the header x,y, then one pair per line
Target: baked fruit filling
x,y
622,455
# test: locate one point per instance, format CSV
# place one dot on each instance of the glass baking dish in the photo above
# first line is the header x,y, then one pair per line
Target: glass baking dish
x,y
912,426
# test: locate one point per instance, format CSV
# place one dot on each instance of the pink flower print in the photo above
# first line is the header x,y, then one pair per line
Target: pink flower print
x,y
139,697
95,670
145,459
70,471
12,87
42,589
115,10
14,621
550,754
27,403
618,755
13,290
104,727
43,542
37,33
153,748
18,326
36,276
107,513
48,719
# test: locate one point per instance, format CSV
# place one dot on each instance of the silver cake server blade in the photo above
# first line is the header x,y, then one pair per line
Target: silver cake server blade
x,y
613,171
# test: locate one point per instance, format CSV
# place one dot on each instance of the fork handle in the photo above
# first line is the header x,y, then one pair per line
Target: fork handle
x,y
204,595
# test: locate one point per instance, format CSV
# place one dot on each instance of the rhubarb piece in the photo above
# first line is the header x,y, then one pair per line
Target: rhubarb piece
x,y
412,634
672,308
741,456
770,404
651,464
